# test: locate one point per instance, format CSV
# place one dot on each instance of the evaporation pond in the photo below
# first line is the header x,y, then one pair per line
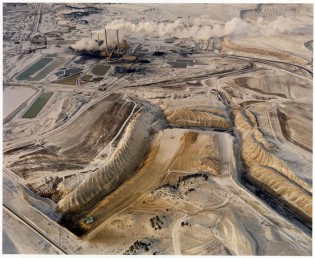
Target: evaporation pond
x,y
34,68
100,69
50,67
71,80
72,71
38,105
15,96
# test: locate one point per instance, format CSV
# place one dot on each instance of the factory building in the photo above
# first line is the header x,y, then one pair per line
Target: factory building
x,y
107,51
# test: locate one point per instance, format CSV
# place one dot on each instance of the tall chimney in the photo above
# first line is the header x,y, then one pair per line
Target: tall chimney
x,y
117,42
91,34
106,42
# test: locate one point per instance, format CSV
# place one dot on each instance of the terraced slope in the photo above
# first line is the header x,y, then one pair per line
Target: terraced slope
x,y
197,117
122,164
79,142
269,172
59,164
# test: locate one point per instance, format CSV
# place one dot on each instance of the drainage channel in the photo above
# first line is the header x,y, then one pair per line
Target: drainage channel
x,y
278,206
203,128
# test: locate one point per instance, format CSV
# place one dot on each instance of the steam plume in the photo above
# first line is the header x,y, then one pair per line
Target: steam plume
x,y
204,28
201,28
91,44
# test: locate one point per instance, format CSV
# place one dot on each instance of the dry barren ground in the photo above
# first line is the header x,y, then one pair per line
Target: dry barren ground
x,y
198,147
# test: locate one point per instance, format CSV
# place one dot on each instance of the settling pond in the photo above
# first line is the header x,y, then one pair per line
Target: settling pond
x,y
38,105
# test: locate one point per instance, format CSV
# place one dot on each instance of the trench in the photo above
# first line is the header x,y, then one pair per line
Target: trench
x,y
269,200
277,205
203,128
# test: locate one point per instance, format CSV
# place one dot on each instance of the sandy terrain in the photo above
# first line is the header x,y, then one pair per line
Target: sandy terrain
x,y
192,137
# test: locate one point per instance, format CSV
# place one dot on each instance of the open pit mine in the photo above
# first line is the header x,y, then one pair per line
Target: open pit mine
x,y
157,129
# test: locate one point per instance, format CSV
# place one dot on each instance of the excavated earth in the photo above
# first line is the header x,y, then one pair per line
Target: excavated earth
x,y
211,159
57,166
181,168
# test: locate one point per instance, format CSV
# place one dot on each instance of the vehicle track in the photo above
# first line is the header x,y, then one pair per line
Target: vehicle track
x,y
250,67
33,228
269,61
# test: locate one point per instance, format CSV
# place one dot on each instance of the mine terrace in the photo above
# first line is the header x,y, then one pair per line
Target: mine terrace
x,y
157,129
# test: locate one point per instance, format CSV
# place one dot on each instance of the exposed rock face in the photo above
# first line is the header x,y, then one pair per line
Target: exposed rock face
x,y
122,164
197,117
268,171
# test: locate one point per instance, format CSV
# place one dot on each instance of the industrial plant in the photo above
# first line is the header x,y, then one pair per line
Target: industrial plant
x,y
115,50
157,129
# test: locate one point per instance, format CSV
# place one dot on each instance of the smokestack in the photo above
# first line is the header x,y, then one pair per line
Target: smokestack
x,y
91,34
117,42
106,42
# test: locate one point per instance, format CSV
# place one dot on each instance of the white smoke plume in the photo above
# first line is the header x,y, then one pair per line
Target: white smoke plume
x,y
201,28
91,43
204,27
85,44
